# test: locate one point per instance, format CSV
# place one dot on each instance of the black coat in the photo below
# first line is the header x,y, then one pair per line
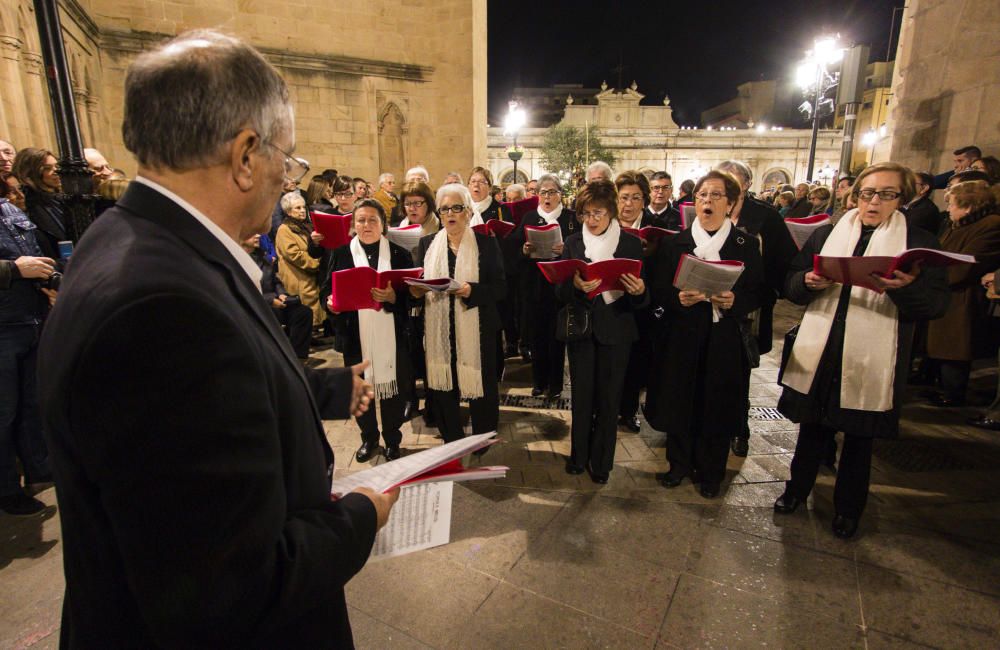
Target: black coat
x,y
924,299
612,324
697,356
347,322
190,461
800,208
49,215
669,218
924,214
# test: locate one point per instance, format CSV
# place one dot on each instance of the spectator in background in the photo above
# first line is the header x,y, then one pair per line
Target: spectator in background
x,y
37,171
319,195
289,310
800,208
98,165
418,174
599,171
453,177
921,212
785,201
531,189
843,189
685,193
7,154
961,161
360,188
297,268
819,199
289,185
990,166
112,189
386,195
10,189
514,192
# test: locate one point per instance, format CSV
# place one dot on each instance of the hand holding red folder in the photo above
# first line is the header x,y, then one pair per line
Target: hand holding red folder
x,y
335,228
517,209
609,272
351,289
495,227
858,271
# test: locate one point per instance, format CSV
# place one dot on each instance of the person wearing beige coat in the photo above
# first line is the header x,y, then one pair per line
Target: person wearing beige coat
x,y
296,267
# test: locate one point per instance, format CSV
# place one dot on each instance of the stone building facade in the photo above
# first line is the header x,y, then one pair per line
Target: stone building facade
x,y
375,85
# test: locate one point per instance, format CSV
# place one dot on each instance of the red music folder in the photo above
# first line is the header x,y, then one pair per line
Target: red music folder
x,y
335,228
495,227
649,233
517,209
608,272
857,271
351,288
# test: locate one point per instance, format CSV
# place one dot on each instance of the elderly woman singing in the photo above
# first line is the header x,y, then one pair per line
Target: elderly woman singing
x,y
848,365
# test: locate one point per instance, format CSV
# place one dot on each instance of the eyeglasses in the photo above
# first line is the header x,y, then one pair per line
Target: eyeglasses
x,y
709,196
347,194
625,198
458,208
295,168
414,204
374,221
596,214
549,193
886,195
661,188
481,181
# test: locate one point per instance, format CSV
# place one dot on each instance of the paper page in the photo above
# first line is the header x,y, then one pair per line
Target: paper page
x,y
543,241
407,237
688,214
421,519
710,278
437,284
801,231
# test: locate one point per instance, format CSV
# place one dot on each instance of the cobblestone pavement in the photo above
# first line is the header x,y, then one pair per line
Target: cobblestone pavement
x,y
543,559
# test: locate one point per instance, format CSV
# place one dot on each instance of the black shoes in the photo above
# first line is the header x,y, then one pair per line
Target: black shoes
x,y
365,452
572,468
709,490
672,479
555,394
21,505
943,401
984,422
392,452
844,527
741,446
630,423
411,410
537,392
787,504
600,479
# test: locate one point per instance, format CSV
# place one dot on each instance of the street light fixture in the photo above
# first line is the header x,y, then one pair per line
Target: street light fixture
x,y
815,79
516,118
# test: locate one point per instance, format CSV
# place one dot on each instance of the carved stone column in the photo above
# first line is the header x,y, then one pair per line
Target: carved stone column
x,y
42,134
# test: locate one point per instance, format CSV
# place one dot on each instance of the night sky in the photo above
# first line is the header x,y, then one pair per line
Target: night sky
x,y
697,52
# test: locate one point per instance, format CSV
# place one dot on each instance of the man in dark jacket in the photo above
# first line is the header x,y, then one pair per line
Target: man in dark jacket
x,y
189,456
921,211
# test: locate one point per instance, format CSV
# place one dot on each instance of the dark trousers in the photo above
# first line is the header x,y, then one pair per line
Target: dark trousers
x,y
850,492
699,449
636,376
20,423
597,374
297,320
954,378
744,432
392,411
485,411
548,355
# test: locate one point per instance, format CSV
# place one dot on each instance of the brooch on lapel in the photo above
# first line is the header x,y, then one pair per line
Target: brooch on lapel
x,y
740,241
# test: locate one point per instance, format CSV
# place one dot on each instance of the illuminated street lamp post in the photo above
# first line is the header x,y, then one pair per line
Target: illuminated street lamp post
x,y
814,78
516,118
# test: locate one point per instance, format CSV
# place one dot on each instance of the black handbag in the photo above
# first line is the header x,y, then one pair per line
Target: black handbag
x,y
573,323
786,351
750,345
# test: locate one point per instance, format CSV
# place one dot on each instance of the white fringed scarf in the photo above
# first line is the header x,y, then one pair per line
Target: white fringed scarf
x,y
478,208
598,248
437,328
377,330
551,218
707,247
870,333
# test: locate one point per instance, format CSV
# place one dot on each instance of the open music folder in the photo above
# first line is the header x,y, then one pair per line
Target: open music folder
x,y
857,271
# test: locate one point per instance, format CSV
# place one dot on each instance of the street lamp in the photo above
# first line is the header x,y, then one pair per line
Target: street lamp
x,y
816,80
516,118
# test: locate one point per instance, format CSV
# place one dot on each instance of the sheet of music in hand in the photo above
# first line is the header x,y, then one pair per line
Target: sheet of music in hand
x,y
407,237
710,278
421,519
437,284
543,238
802,228
857,271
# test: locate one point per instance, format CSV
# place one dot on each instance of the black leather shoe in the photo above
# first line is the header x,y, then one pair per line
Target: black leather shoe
x,y
600,479
365,452
630,423
572,468
21,505
786,504
844,527
555,394
741,446
709,490
984,422
672,480
942,401
536,392
392,452
411,410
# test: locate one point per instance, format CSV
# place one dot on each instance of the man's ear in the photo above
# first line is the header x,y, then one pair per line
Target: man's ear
x,y
242,163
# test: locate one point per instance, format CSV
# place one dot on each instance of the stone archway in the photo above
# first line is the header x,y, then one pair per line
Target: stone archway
x,y
392,130
507,177
775,177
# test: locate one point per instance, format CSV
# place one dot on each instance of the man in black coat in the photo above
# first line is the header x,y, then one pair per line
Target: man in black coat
x,y
190,462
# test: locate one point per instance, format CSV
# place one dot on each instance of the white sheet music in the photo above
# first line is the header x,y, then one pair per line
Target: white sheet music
x,y
711,279
543,241
408,238
421,519
451,286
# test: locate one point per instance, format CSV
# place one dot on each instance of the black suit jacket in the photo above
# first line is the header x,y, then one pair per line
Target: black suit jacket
x,y
612,324
669,218
924,214
189,457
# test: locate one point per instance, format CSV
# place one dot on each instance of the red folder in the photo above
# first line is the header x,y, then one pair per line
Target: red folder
x,y
495,227
608,272
857,271
649,233
517,209
351,288
335,228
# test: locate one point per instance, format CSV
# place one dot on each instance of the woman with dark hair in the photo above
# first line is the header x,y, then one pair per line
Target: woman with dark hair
x,y
378,336
597,362
921,212
417,201
37,171
319,195
847,367
990,166
700,398
10,189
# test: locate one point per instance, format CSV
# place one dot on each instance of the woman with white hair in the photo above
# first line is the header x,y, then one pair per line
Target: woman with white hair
x,y
599,171
296,267
461,325
418,174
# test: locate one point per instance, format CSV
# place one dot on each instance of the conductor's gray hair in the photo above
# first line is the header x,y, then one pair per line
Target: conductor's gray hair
x,y
190,96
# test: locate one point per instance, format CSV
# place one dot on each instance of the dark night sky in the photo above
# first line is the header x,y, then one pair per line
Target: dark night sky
x,y
697,52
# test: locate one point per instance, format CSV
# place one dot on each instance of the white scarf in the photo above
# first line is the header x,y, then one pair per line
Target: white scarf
x,y
437,327
478,208
707,247
870,333
377,330
550,218
598,248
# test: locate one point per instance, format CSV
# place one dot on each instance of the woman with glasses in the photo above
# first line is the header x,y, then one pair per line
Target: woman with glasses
x,y
379,336
847,368
700,397
548,355
418,206
597,362
37,170
461,325
297,268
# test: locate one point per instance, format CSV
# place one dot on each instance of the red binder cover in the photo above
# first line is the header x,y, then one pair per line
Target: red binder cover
x,y
335,228
517,209
608,272
857,271
351,288
495,227
649,233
